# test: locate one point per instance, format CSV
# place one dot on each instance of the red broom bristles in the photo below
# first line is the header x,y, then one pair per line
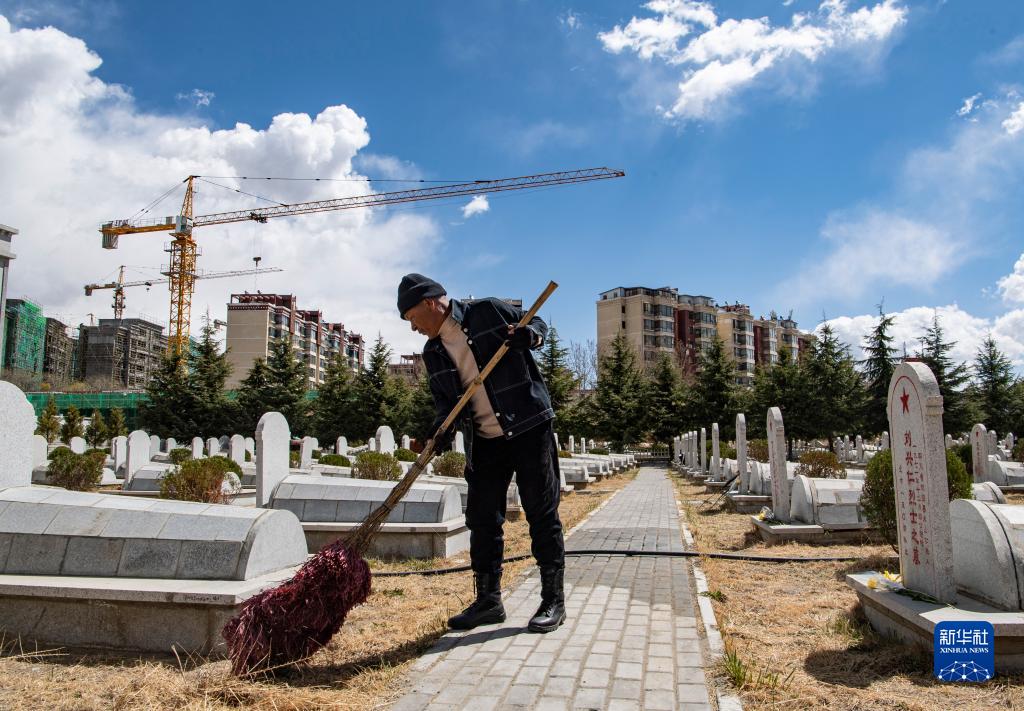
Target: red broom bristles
x,y
292,621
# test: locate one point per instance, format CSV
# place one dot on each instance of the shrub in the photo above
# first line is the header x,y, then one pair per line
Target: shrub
x,y
878,499
293,459
335,460
199,480
726,452
76,472
1018,451
450,464
248,456
562,454
356,442
821,465
228,464
317,454
757,449
377,465
96,450
599,450
179,455
60,452
405,455
964,454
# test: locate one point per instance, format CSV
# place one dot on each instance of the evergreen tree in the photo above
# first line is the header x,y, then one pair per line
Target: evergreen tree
x,y
421,411
171,405
208,372
72,426
335,405
957,416
664,400
553,366
116,426
618,397
580,418
48,424
993,388
781,385
712,394
277,384
878,366
379,400
96,432
834,390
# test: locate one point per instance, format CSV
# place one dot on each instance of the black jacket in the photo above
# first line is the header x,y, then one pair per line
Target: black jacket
x,y
515,387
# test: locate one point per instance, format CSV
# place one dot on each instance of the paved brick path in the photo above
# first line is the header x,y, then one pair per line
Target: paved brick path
x,y
630,641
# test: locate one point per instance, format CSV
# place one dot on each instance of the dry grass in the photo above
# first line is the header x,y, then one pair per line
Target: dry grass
x,y
362,668
797,638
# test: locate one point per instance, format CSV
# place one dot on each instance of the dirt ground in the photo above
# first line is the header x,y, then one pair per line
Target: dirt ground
x,y
797,639
362,668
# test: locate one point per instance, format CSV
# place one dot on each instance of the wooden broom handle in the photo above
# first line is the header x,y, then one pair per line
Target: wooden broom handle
x,y
360,538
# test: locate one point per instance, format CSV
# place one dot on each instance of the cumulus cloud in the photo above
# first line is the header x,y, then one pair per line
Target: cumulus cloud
x,y
1014,123
197,97
1011,286
719,59
77,151
968,105
477,206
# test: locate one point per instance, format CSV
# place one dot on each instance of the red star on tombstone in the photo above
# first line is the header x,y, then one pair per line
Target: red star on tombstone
x,y
904,398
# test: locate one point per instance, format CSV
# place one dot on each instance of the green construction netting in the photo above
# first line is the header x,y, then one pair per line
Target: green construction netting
x,y
26,334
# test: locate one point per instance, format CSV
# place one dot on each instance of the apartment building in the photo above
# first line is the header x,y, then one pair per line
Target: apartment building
x,y
255,320
662,320
6,257
120,353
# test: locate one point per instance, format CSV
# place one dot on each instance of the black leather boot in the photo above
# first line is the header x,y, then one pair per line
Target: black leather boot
x,y
486,609
551,613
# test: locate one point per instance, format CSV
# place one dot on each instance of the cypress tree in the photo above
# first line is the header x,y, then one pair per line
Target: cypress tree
x,y
834,390
48,424
376,398
712,394
664,400
878,366
116,426
619,393
553,366
957,416
334,408
277,384
171,404
96,432
993,387
421,411
208,372
72,426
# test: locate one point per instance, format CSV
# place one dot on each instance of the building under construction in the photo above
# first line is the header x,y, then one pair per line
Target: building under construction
x,y
121,353
59,353
25,337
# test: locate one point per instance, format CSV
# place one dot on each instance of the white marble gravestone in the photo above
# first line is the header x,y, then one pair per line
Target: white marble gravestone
x,y
859,445
119,451
703,450
40,448
460,443
77,445
236,449
949,441
406,441
170,444
885,440
385,438
572,444
341,446
197,447
17,423
154,446
272,440
741,452
212,447
979,451
250,447
716,462
777,464
306,447
583,445
137,455
919,471
558,446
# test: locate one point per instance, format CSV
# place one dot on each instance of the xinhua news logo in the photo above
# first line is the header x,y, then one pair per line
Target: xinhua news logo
x,y
964,651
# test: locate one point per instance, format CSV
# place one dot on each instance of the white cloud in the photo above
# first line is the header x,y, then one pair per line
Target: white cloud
x,y
570,21
725,57
1011,286
197,97
958,325
77,151
477,206
1014,123
968,105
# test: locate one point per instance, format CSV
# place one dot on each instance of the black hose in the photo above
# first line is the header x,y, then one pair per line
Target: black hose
x,y
640,553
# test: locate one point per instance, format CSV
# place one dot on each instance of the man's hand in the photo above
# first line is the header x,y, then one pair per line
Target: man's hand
x,y
521,338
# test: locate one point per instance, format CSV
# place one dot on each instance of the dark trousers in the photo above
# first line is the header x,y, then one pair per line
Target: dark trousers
x,y
534,460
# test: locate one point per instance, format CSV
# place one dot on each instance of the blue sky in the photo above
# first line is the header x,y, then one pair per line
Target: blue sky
x,y
819,159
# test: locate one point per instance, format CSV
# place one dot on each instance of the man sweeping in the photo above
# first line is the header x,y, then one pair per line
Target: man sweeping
x,y
508,431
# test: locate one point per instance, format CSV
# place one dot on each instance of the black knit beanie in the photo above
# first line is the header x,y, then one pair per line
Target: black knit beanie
x,y
414,289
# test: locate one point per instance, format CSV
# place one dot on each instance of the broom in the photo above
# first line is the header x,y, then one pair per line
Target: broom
x,y
289,623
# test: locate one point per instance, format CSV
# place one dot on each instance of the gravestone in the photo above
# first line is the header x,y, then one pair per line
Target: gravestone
x,y
979,451
859,449
170,444
119,451
922,493
371,445
572,444
703,450
385,438
716,461
306,447
993,442
885,441
250,447
558,446
583,445
77,445
406,441
460,443
154,446
741,452
272,440
236,449
341,447
138,453
17,423
590,444
1010,441
949,441
197,447
212,447
40,447
777,464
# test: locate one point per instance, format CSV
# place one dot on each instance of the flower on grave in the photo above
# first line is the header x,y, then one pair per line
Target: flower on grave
x,y
873,583
893,577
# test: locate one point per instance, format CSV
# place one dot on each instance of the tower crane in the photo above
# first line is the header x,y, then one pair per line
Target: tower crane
x,y
184,249
120,285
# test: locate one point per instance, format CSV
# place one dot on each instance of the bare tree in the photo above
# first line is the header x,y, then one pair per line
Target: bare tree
x,y
583,363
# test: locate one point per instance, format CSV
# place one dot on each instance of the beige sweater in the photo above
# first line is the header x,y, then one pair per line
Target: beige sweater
x,y
457,345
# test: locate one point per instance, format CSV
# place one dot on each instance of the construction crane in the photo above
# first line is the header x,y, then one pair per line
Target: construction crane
x,y
120,285
184,249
